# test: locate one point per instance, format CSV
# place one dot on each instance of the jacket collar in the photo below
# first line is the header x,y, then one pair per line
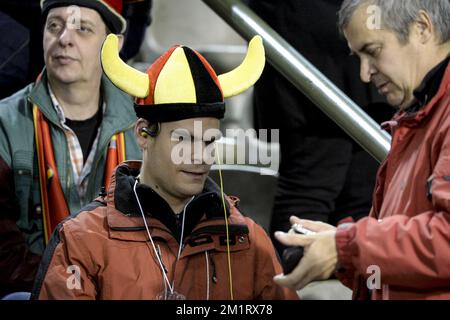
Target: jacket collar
x,y
124,215
119,114
413,119
429,86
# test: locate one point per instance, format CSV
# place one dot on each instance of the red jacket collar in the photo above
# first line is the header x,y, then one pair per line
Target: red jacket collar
x,y
411,120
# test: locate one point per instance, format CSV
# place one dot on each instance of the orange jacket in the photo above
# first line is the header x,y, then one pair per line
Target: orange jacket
x,y
407,236
115,259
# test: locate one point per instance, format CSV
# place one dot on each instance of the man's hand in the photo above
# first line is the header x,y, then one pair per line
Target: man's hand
x,y
316,226
320,259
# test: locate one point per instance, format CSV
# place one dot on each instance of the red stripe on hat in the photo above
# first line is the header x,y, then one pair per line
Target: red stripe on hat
x,y
116,4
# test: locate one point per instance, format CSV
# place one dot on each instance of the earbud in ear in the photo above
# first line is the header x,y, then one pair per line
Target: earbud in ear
x,y
150,132
145,133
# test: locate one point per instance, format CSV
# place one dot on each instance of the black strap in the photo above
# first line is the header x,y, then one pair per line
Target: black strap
x,y
168,112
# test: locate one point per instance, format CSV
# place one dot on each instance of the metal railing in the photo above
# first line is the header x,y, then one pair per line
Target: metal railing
x,y
303,75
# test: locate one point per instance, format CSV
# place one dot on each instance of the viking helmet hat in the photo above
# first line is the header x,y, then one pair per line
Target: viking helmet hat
x,y
181,84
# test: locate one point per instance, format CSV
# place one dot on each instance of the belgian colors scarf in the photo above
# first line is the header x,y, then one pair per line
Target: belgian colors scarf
x,y
54,205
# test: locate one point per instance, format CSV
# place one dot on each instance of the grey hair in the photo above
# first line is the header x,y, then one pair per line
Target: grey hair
x,y
398,15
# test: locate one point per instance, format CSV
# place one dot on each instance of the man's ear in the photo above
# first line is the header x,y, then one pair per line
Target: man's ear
x,y
424,28
121,41
141,137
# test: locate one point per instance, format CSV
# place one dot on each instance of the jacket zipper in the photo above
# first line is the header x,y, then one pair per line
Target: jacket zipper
x,y
213,264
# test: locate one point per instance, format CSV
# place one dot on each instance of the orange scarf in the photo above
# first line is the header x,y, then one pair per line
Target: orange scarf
x,y
54,205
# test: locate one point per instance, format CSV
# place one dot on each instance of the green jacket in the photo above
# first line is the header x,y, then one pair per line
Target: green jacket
x,y
18,152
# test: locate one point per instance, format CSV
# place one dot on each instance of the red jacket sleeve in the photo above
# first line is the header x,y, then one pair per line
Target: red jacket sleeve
x,y
410,252
268,266
66,269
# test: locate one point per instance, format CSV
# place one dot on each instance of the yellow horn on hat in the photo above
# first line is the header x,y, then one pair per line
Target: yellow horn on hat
x,y
126,78
247,73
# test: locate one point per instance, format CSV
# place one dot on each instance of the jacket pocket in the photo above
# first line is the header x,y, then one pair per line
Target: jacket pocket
x,y
22,165
27,192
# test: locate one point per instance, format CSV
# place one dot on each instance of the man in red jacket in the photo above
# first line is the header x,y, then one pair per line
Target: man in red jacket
x,y
402,250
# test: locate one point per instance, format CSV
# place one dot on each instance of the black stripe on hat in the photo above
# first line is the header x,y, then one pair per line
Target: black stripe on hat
x,y
168,112
206,89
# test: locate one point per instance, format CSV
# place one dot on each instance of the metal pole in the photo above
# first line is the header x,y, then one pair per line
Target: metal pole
x,y
302,74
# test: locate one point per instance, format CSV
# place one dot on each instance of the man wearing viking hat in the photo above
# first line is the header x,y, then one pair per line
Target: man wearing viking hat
x,y
165,230
60,137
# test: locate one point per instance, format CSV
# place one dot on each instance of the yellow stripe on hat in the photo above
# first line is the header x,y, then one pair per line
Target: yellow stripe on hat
x,y
175,83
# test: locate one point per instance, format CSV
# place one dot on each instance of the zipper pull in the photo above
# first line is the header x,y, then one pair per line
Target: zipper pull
x,y
102,192
213,264
177,219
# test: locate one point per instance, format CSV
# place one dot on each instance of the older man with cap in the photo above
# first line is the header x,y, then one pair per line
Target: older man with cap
x,y
165,230
61,136
402,251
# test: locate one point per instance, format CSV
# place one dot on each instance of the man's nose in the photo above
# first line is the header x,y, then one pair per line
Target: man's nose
x,y
66,36
197,152
367,70
203,153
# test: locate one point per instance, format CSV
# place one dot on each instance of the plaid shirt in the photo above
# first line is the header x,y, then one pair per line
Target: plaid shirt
x,y
80,172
